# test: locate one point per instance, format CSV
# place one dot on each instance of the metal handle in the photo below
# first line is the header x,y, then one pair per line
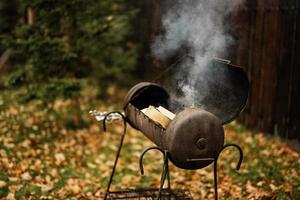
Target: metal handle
x,y
222,60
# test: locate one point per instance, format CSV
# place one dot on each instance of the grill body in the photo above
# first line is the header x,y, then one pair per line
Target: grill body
x,y
193,134
196,136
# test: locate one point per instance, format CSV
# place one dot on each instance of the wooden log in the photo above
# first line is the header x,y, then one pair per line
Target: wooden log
x,y
159,115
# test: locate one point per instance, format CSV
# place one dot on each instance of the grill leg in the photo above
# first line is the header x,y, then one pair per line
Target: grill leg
x,y
118,152
216,178
165,171
216,165
165,174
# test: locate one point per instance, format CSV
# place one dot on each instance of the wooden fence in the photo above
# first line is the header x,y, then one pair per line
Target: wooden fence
x,y
268,47
268,34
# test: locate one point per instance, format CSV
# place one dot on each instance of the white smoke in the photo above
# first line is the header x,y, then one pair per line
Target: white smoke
x,y
200,26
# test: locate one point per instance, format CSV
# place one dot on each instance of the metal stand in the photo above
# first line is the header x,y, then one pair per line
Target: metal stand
x,y
165,172
148,193
161,192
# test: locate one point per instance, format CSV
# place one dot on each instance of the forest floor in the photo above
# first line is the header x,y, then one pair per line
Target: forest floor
x,y
57,151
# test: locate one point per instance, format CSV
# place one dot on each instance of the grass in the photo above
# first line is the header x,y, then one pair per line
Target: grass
x,y
56,151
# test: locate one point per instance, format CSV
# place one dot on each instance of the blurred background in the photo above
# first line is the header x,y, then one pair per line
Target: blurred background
x,y
60,59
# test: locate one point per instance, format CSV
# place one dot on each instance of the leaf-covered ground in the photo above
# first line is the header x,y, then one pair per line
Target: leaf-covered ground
x,y
56,151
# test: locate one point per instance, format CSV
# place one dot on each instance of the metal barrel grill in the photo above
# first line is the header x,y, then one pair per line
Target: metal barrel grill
x,y
196,136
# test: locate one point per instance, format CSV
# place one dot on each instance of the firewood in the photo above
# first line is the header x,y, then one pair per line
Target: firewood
x,y
159,115
166,112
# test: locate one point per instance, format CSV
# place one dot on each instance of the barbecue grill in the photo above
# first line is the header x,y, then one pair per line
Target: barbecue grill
x,y
194,139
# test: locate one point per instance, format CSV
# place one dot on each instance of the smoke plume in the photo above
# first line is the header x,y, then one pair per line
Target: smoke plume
x,y
200,27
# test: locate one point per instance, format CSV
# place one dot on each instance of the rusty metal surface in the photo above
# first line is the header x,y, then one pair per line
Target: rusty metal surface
x,y
228,90
149,194
193,134
186,120
144,94
196,136
221,89
193,138
218,87
140,121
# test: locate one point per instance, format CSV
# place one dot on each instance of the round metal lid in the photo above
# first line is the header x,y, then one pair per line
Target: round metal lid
x,y
221,89
145,93
228,91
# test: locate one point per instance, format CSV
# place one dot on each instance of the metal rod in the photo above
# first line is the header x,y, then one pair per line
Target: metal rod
x,y
216,165
168,170
165,171
165,174
118,152
143,154
216,177
111,113
222,60
200,159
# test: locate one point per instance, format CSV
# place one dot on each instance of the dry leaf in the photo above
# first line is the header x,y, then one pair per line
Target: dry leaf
x,y
2,184
26,176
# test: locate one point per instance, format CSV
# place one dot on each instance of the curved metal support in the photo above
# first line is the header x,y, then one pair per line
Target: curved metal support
x,y
216,165
165,171
143,154
114,112
118,152
238,166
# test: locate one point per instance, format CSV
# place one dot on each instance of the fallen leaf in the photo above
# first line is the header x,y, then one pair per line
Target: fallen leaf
x,y
11,196
2,184
59,157
26,176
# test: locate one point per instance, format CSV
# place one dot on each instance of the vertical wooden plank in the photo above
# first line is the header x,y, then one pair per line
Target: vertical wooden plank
x,y
143,35
252,30
233,32
242,34
155,30
294,132
261,78
234,21
149,27
269,64
287,20
257,59
241,22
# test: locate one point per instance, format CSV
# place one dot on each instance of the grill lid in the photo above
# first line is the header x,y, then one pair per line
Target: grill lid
x,y
228,91
220,88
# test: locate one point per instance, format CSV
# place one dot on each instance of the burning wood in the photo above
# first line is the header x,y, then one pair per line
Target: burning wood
x,y
159,115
